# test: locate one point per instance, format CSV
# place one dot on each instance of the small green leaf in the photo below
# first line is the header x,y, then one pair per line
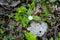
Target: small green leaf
x,y
29,12
31,6
11,15
46,10
21,9
10,37
53,20
51,38
36,18
58,38
30,36
1,31
5,38
46,38
58,34
44,19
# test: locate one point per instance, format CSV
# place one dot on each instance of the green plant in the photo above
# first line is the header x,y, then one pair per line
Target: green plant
x,y
46,38
1,31
21,9
30,36
11,25
36,18
58,38
1,22
53,19
51,38
32,5
5,38
58,34
45,14
46,11
9,37
23,14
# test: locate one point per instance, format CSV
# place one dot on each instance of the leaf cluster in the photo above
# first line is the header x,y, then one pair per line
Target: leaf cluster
x,y
23,13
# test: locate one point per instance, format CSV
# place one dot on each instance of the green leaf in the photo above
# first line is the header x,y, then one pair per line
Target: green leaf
x,y
46,10
21,9
1,31
5,38
58,34
44,19
53,20
51,38
58,38
10,37
29,12
24,21
11,15
36,18
46,38
22,14
12,25
31,6
30,36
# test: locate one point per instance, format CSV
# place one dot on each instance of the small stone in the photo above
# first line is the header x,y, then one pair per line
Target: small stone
x,y
38,29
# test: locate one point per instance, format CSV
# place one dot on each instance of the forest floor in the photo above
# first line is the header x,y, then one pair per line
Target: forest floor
x,y
16,16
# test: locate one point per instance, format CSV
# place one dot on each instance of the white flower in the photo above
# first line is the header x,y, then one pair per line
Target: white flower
x,y
30,17
37,28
